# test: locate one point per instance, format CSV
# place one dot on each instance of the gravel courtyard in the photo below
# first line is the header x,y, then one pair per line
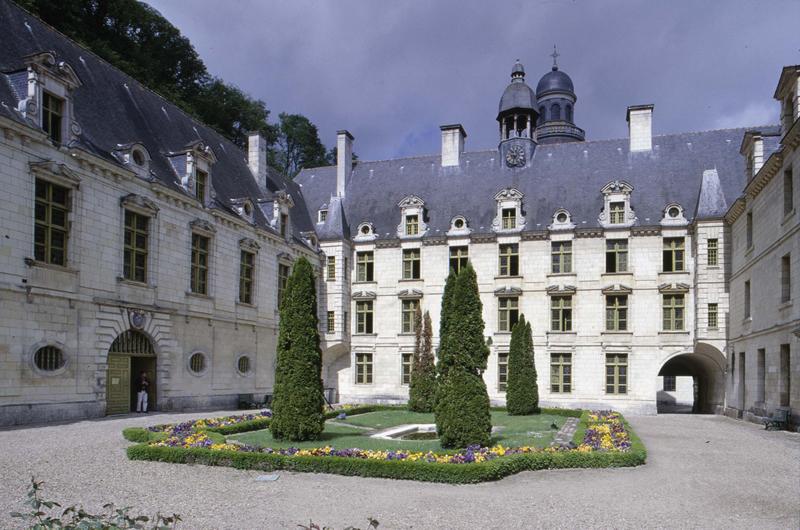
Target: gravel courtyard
x,y
702,471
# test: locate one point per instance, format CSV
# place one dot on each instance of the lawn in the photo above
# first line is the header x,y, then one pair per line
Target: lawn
x,y
515,431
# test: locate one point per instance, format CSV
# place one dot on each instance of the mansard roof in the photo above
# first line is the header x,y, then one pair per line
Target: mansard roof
x,y
114,109
566,175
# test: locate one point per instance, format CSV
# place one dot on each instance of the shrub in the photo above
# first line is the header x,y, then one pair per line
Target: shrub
x,y
422,388
462,402
522,394
297,409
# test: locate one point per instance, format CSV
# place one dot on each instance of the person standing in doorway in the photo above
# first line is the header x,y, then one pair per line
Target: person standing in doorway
x,y
142,385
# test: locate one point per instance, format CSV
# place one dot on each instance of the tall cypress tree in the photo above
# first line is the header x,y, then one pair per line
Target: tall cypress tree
x,y
422,389
462,402
444,316
522,393
297,408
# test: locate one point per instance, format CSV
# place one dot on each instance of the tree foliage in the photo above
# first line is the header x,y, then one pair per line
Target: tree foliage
x,y
297,408
298,145
422,388
462,402
522,392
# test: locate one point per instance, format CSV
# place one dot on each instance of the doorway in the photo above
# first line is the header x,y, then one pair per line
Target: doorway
x,y
130,354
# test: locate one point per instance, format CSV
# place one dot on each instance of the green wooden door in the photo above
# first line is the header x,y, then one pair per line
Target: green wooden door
x,y
118,385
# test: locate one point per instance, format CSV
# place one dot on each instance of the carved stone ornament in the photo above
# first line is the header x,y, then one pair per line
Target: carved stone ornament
x,y
137,318
203,226
139,202
249,244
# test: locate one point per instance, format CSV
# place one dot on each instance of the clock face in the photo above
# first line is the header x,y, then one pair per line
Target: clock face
x,y
515,156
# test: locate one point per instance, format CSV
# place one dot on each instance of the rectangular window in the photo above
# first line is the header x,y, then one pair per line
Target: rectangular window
x,y
784,390
412,225
788,192
284,224
673,306
51,228
323,216
509,260
459,257
364,316
616,255
363,368
409,312
283,279
507,313
561,313
201,182
200,251
712,256
247,266
561,256
786,278
749,229
713,316
135,246
346,322
411,264
669,383
617,313
331,261
617,213
509,218
561,373
406,360
747,299
761,376
365,266
331,322
502,371
673,254
52,114
616,374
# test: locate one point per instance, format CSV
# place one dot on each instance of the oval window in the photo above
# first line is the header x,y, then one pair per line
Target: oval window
x,y
365,230
243,365
138,158
673,212
459,223
197,363
48,359
561,217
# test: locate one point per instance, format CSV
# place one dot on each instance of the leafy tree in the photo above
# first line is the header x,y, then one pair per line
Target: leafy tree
x,y
522,393
297,409
298,145
422,389
462,402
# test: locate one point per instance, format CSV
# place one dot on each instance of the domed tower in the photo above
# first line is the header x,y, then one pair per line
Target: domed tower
x,y
555,101
517,118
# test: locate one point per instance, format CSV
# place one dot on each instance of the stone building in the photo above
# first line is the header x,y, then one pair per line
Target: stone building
x,y
763,370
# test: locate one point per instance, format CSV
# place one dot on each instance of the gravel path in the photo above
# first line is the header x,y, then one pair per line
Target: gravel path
x,y
702,471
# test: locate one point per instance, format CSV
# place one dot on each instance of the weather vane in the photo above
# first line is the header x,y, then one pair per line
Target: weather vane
x,y
555,55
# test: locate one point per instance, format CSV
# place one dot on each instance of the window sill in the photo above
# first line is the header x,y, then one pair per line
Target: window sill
x,y
562,333
134,283
199,295
514,277
747,320
407,334
674,272
749,251
611,332
365,335
410,280
788,217
362,282
245,304
30,262
713,267
561,274
785,305
670,332
620,273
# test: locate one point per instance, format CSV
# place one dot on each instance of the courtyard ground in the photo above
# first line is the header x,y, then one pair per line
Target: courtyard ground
x,y
702,471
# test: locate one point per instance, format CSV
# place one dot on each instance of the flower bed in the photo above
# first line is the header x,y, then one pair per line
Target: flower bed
x,y
605,441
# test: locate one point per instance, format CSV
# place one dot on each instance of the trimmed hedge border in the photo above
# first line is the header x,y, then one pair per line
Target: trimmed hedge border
x,y
396,469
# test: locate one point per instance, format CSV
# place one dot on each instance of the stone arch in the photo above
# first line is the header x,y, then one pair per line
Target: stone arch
x,y
131,352
706,365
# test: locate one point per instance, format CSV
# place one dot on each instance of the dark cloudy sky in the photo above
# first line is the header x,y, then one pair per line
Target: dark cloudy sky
x,y
393,71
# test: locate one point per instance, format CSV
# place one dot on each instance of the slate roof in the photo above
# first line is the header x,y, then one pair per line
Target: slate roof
x,y
114,109
565,175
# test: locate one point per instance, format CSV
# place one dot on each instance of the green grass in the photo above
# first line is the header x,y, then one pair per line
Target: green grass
x,y
516,432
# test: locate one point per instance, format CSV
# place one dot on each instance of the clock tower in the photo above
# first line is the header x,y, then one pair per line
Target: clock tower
x,y
517,118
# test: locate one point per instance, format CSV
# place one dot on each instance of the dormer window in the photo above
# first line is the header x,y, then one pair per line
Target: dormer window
x,y
200,185
412,225
562,220
617,215
412,222
617,210
458,224
284,228
247,209
673,215
52,114
322,215
138,157
509,218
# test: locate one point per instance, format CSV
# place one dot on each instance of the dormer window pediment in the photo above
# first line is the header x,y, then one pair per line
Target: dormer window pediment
x,y
509,217
412,223
48,100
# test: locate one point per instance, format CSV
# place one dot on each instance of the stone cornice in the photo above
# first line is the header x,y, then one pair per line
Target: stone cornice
x,y
54,171
764,175
508,291
560,290
677,287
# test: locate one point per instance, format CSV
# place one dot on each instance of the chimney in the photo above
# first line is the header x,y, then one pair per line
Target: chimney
x,y
257,158
640,127
452,144
344,160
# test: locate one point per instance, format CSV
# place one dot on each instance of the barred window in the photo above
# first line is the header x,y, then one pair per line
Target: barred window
x,y
48,359
617,313
197,363
247,264
406,360
509,218
136,239
459,257
617,255
51,228
561,313
331,321
673,306
561,373
747,299
616,374
52,116
673,256
411,264
200,252
243,364
617,216
363,368
412,225
713,316
509,260
365,266
502,371
788,192
786,278
283,280
712,249
409,312
364,316
507,313
561,254
749,229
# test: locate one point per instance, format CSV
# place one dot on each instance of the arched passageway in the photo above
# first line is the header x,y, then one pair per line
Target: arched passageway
x,y
131,353
706,367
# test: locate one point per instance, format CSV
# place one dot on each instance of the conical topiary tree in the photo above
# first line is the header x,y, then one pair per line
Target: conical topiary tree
x,y
522,392
462,402
422,389
297,407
